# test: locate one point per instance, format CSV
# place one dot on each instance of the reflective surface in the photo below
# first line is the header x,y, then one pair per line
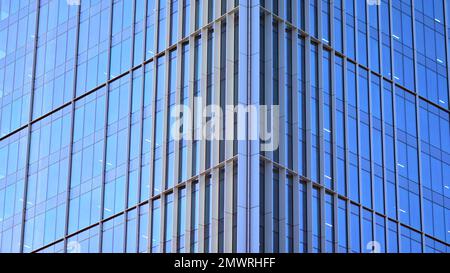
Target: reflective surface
x,y
88,162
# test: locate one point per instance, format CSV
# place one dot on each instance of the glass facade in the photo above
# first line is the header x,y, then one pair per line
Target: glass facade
x,y
89,163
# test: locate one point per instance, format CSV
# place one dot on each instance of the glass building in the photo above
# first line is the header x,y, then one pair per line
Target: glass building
x,y
88,162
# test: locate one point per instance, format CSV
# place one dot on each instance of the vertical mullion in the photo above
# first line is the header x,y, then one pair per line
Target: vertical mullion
x,y
152,134
205,12
201,211
162,227
192,20
176,176
105,135
335,223
191,76
320,107
268,213
180,20
296,213
165,134
217,9
229,86
215,210
72,130
141,132
165,114
358,121
416,101
229,207
249,234
383,129
331,24
333,144
216,95
344,29
394,128
346,141
229,221
447,51
268,166
347,157
203,99
282,93
152,146
372,168
30,118
249,184
129,122
333,129
268,63
369,90
168,23
296,123
282,215
322,216
230,5
176,219
308,141
155,41
189,166
319,20
189,215
295,135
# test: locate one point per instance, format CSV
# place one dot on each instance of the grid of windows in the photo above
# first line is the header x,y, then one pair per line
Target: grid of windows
x,y
88,162
364,104
17,36
91,162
